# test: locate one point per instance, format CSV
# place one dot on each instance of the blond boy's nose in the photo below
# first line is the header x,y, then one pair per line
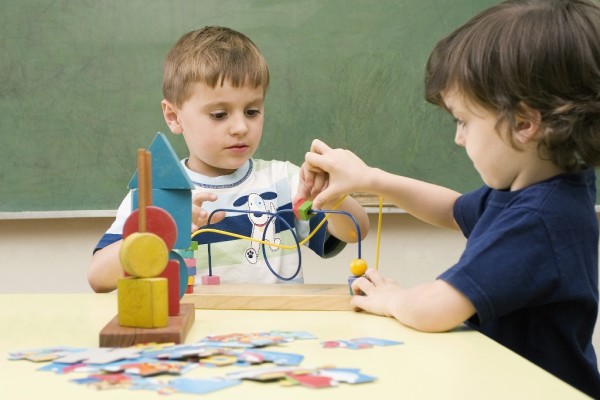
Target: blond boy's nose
x,y
239,126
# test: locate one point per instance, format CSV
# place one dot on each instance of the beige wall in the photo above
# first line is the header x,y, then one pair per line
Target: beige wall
x,y
51,255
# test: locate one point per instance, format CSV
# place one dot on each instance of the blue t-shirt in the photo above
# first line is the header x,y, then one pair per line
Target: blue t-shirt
x,y
530,268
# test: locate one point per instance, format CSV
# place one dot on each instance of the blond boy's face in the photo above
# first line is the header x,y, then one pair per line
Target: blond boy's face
x,y
222,126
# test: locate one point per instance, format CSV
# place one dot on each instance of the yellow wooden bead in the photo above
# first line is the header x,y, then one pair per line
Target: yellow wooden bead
x,y
144,254
358,267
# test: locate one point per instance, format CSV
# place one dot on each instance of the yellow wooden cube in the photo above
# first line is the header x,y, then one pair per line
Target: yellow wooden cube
x,y
143,302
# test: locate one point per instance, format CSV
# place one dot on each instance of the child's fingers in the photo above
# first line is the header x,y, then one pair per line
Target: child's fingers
x,y
329,196
374,277
307,177
362,285
320,184
200,217
317,162
320,199
319,147
304,186
201,197
217,216
359,302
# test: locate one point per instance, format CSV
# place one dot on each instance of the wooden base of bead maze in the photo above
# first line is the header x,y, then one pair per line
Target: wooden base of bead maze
x,y
115,335
313,297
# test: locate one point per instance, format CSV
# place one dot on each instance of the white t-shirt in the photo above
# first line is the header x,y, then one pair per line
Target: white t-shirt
x,y
259,186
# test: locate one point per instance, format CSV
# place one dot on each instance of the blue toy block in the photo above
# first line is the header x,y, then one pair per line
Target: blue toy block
x,y
178,203
167,171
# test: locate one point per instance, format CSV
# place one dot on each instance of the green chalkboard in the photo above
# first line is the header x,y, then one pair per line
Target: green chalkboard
x,y
80,88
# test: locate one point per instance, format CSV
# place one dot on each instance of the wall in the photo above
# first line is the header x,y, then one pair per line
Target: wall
x,y
51,255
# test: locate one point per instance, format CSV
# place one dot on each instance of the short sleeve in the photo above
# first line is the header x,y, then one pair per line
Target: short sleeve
x,y
115,232
506,268
469,208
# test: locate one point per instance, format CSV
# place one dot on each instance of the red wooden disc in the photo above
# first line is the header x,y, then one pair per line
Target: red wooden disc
x,y
158,221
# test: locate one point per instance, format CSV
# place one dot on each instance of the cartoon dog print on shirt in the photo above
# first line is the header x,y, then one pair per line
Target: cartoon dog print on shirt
x,y
258,204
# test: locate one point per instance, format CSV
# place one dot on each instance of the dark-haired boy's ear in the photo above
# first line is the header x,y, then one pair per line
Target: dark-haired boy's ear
x,y
528,125
170,113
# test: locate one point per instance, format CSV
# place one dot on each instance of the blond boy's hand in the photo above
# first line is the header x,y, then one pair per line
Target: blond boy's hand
x,y
199,214
311,183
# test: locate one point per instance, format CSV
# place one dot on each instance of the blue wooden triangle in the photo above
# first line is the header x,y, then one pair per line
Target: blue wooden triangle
x,y
167,171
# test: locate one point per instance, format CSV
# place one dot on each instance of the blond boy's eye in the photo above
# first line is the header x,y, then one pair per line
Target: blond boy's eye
x,y
218,115
252,113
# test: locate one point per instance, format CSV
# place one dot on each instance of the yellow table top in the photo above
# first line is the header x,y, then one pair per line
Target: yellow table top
x,y
461,364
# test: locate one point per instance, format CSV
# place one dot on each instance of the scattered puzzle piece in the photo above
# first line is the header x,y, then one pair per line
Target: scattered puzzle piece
x,y
359,343
201,386
99,355
140,367
42,354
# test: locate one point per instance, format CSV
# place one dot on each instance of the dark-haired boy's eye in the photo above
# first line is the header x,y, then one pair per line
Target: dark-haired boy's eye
x,y
459,122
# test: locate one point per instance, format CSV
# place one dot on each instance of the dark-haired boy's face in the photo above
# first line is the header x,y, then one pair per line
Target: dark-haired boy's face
x,y
222,126
497,162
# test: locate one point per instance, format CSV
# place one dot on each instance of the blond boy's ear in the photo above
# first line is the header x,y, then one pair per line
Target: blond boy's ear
x,y
170,113
527,125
